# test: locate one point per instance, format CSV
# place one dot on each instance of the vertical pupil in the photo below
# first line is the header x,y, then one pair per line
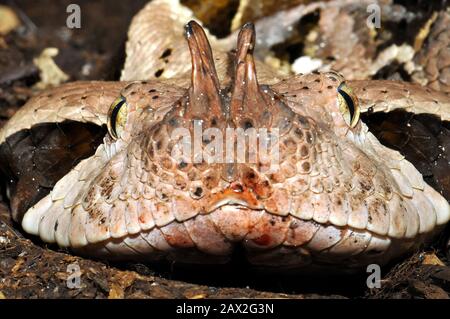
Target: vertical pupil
x,y
349,101
114,114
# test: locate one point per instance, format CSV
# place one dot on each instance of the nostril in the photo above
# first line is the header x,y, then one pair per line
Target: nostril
x,y
196,192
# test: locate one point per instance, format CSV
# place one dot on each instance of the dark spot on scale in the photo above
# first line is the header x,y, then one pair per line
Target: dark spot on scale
x,y
133,93
251,175
198,191
56,226
164,196
298,132
383,91
84,97
209,180
293,225
317,80
365,186
272,222
364,89
49,95
155,97
309,138
248,124
182,165
144,82
159,145
329,87
304,151
320,91
103,220
152,91
166,53
305,88
306,166
159,73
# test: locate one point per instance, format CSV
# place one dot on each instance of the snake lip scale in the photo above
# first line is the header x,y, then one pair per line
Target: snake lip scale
x,y
338,198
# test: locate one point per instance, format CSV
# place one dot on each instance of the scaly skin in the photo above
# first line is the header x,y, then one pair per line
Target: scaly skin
x,y
337,199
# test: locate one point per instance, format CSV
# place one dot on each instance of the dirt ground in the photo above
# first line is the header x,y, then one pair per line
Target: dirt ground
x,y
29,269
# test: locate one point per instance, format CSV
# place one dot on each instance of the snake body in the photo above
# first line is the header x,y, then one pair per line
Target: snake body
x,y
337,198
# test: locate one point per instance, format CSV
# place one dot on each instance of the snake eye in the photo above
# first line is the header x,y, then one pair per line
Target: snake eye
x,y
348,105
117,117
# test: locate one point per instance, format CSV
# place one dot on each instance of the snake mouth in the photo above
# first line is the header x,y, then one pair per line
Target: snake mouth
x,y
235,195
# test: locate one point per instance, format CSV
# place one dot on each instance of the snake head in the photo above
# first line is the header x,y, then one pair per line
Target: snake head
x,y
287,170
